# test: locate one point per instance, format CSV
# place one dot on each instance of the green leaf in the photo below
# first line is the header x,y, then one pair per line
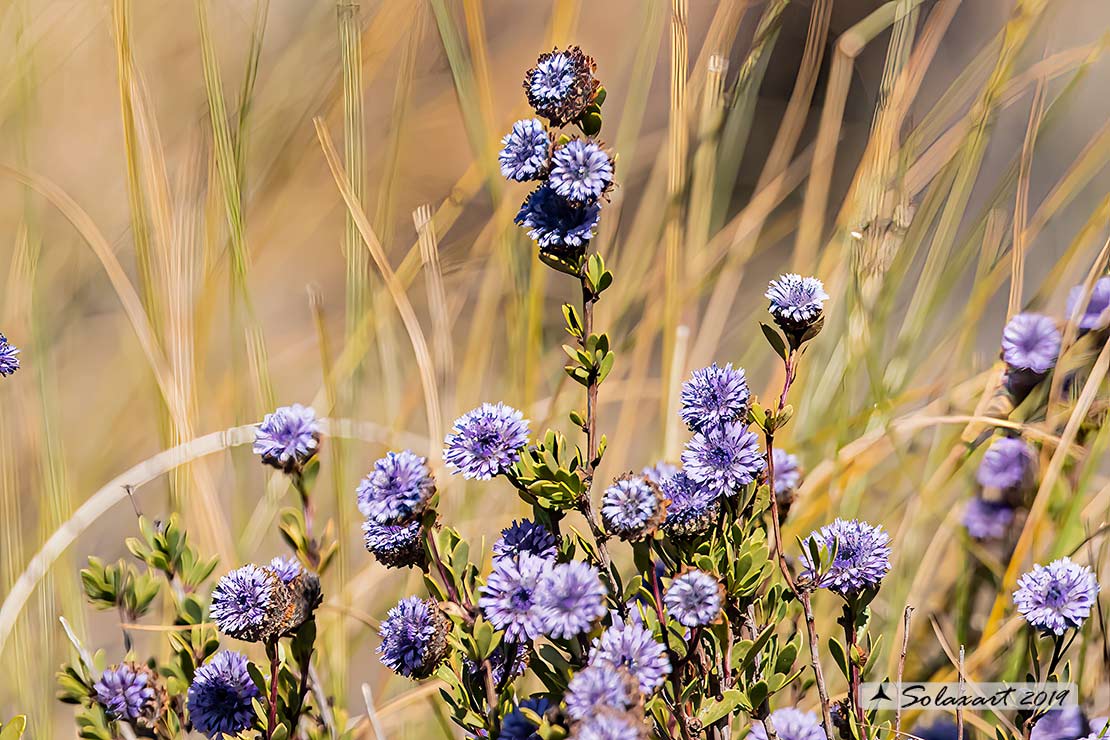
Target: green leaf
x,y
775,340
715,709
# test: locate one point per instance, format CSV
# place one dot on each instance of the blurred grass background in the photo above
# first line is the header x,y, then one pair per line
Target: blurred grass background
x,y
179,261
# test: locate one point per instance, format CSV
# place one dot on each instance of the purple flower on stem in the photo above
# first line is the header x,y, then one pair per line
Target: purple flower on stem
x,y
862,556
1092,315
714,396
9,357
395,545
787,474
486,441
1056,597
987,520
693,507
633,507
525,536
795,300
414,638
571,597
1006,464
561,85
248,603
581,171
725,459
288,438
694,598
791,724
598,687
221,695
509,598
1031,341
526,151
397,490
129,692
556,224
633,647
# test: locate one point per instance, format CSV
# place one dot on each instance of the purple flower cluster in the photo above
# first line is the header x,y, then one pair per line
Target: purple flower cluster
x,y
571,598
796,301
628,644
987,520
395,545
791,724
1092,316
288,438
528,537
128,692
610,725
862,556
724,458
516,726
221,696
397,490
693,508
414,638
714,396
1056,597
562,85
581,172
9,357
633,507
1007,464
248,602
510,599
694,598
527,596
788,476
525,152
486,441
555,224
285,568
598,687
1031,342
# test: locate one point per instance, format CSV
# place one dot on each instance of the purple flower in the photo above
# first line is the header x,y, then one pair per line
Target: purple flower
x,y
796,301
397,490
515,726
988,520
509,598
724,459
633,647
1056,597
525,536
414,638
248,603
581,171
1031,342
394,545
9,357
129,692
486,441
1006,464
791,724
526,151
556,224
862,556
599,687
713,396
1067,723
286,569
220,696
610,725
561,85
694,598
693,508
1091,318
659,472
288,438
787,473
570,599
633,507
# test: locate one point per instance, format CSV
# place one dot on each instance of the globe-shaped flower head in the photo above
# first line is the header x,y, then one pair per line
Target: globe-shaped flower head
x,y
556,224
862,556
250,603
394,545
714,396
724,459
526,151
525,536
581,171
787,473
220,696
987,520
797,305
414,638
570,599
288,438
598,687
629,645
561,85
517,726
633,507
1056,597
486,441
791,724
1092,315
509,599
1007,464
397,490
693,507
9,357
694,598
1031,342
131,693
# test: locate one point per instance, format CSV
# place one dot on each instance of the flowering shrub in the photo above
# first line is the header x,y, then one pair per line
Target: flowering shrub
x,y
677,610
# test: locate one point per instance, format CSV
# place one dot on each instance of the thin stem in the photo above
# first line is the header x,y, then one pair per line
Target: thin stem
x,y
309,512
586,505
815,662
902,665
272,654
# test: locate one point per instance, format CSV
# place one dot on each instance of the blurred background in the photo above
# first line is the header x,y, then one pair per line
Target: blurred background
x,y
179,262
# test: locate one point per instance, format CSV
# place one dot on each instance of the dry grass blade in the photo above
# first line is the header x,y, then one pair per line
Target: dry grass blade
x,y
1021,205
677,138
